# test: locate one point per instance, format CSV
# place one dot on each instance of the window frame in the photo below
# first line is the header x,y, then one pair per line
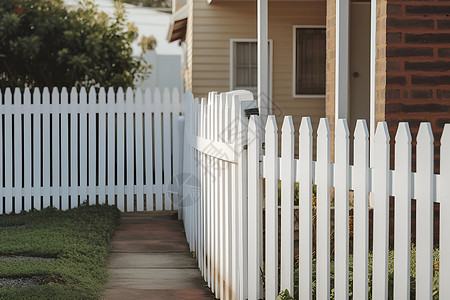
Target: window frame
x,y
232,60
294,61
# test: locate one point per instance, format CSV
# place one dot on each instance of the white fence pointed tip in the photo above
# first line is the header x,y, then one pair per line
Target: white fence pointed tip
x,y
382,132
305,126
445,138
324,127
425,133
361,130
342,128
288,125
271,124
403,132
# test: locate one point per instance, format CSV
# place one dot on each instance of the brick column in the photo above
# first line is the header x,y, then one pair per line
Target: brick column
x,y
418,64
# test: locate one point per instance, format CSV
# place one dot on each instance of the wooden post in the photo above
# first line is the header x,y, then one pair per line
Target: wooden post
x,y
342,63
263,61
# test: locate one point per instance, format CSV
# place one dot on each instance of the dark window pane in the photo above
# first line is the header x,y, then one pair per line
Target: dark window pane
x,y
310,61
246,65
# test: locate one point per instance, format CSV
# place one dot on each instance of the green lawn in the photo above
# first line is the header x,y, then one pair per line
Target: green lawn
x,y
79,239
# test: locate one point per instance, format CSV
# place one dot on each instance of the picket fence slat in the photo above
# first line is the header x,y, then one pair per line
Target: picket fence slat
x,y
221,201
304,173
129,150
176,138
361,211
425,212
74,152
27,155
227,204
149,178
8,142
64,144
36,152
341,263
111,156
381,212
139,150
271,170
46,148
402,218
102,143
83,135
323,210
17,137
157,100
287,204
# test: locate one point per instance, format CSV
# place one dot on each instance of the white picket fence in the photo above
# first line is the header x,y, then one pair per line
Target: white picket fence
x,y
61,148
224,217
213,209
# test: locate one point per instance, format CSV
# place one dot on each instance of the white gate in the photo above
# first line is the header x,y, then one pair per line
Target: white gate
x,y
224,221
214,211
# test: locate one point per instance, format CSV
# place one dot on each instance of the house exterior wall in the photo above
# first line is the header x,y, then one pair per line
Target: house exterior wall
x,y
418,64
213,25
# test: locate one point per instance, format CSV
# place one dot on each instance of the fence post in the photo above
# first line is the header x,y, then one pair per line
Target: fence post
x,y
242,197
254,221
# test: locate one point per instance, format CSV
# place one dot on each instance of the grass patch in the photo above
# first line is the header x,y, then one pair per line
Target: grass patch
x,y
79,239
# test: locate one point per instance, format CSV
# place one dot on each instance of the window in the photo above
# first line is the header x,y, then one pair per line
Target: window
x,y
310,58
244,65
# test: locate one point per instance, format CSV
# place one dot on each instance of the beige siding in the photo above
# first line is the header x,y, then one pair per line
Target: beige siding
x,y
215,24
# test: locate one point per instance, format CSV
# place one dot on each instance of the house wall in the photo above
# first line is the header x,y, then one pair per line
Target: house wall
x,y
418,64
165,71
213,25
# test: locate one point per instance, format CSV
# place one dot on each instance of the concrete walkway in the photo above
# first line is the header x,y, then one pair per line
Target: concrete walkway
x,y
150,259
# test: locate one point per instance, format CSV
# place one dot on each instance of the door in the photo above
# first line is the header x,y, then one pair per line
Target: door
x,y
359,63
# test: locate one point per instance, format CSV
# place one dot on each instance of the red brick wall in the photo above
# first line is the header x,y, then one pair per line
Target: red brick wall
x,y
418,64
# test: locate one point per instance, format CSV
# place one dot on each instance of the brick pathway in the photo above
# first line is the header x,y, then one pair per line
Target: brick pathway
x,y
150,259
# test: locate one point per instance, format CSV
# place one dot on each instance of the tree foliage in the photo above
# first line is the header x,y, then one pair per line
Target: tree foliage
x,y
44,43
147,43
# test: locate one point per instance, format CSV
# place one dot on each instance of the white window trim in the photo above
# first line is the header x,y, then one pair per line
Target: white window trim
x,y
294,61
232,41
